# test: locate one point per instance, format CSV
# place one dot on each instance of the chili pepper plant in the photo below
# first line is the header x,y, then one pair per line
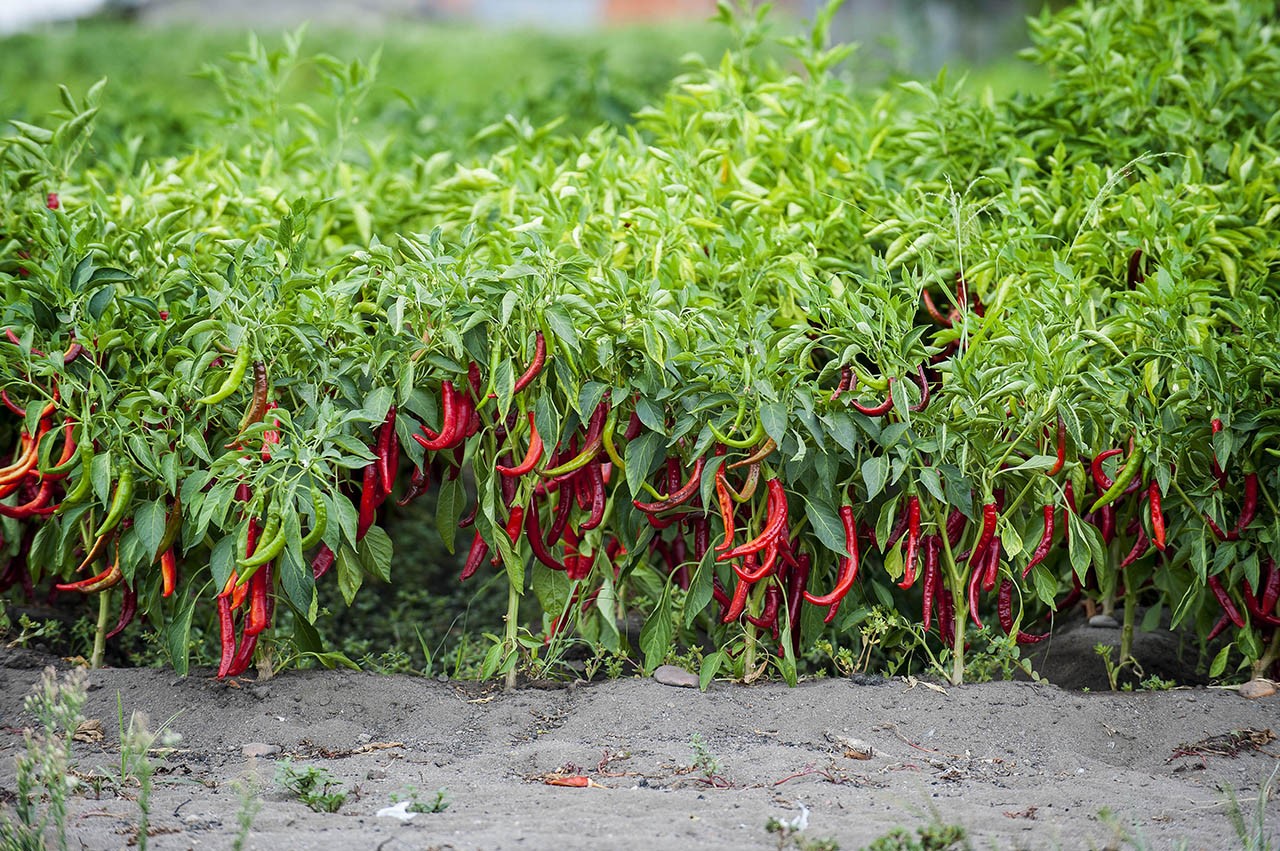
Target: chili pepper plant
x,y
785,351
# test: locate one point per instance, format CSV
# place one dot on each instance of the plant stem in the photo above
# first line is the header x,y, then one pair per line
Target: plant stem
x,y
957,651
100,633
1130,618
510,642
1269,656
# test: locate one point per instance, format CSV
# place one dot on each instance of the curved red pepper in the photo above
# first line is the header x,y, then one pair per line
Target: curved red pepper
x,y
848,572
777,520
876,410
475,557
1224,600
677,497
531,457
535,365
1099,475
1157,516
1046,541
1062,449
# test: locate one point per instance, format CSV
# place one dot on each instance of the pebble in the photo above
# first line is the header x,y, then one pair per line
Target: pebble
x,y
1104,622
254,750
1255,689
670,675
375,774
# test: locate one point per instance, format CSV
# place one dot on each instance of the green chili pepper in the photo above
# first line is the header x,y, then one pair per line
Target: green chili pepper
x,y
238,368
1122,480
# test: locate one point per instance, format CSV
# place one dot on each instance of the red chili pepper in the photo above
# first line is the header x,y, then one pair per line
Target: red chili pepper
x,y
470,517
419,483
531,457
1157,515
1271,591
1224,600
227,633
768,618
913,542
453,420
1140,547
168,571
677,497
594,482
1215,528
876,410
1062,449
1046,541
1107,523
975,585
701,538
533,533
955,526
1099,476
52,201
932,545
108,578
776,521
738,604
244,656
323,560
760,454
725,502
1218,627
37,506
515,523
128,608
535,365
993,566
475,557
923,381
370,495
1257,614
946,613
846,379
932,309
1004,608
1249,508
990,513
848,572
899,529
388,455
564,507
1135,275
259,617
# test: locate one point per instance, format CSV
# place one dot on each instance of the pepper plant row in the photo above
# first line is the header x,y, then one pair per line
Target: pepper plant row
x,y
784,354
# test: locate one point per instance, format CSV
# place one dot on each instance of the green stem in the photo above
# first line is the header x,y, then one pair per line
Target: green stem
x,y
100,633
1130,619
510,642
960,605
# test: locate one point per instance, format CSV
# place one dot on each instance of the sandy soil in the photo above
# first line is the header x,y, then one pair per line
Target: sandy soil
x,y
1019,765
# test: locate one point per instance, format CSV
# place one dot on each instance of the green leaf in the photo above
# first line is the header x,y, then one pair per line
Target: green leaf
x,y
773,416
375,553
222,561
149,522
639,456
350,574
711,664
655,636
177,634
448,510
826,524
701,589
1220,662
100,301
875,471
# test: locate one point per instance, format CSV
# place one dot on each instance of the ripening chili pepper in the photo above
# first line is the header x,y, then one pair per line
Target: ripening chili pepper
x,y
469,517
1132,466
37,506
1099,475
387,459
419,483
1061,448
594,481
244,656
946,612
257,408
1107,523
975,585
68,459
1215,528
846,378
923,381
535,366
1140,546
128,608
899,529
560,521
1224,600
108,578
932,309
768,618
1218,472
913,543
515,523
990,513
762,452
993,566
1218,627
1249,508
1157,515
848,572
475,557
875,410
120,503
701,537
725,503
1046,540
323,561
678,496
259,617
932,577
168,571
531,457
955,526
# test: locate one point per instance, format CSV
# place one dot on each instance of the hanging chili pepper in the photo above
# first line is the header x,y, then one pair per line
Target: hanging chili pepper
x,y
259,617
738,604
990,513
1249,508
370,498
227,635
535,366
1061,448
1046,540
323,560
1225,601
846,379
678,496
1218,472
1099,476
419,483
1140,547
531,457
533,533
1157,515
453,420
913,542
128,608
168,571
946,613
475,557
932,577
1257,613
1132,466
848,572
1004,608
774,524
875,410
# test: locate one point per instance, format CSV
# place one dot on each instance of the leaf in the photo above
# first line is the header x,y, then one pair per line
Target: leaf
x,y
448,510
773,416
350,574
375,553
826,524
875,471
377,403
1220,662
701,589
222,561
639,456
149,522
655,636
711,664
177,634
101,300
297,582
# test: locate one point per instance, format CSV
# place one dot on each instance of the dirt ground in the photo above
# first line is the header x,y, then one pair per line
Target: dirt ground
x,y
1018,764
